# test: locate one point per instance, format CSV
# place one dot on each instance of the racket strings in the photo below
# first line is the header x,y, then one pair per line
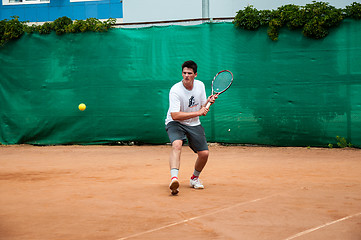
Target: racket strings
x,y
222,81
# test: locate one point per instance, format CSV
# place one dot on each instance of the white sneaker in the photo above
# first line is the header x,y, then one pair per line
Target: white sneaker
x,y
196,183
174,185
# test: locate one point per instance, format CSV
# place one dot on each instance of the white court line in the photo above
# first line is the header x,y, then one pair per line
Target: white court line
x,y
204,215
322,226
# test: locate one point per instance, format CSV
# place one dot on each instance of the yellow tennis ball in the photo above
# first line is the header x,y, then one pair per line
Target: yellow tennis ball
x,y
82,106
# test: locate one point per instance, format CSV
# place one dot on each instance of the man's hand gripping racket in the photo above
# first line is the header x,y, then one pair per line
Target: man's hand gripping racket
x,y
221,82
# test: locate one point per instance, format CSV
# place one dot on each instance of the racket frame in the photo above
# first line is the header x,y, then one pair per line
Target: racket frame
x,y
218,93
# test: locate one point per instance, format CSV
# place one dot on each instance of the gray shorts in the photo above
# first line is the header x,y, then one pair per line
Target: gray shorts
x,y
194,134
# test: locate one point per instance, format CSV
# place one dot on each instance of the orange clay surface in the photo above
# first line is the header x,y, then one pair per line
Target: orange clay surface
x,y
121,192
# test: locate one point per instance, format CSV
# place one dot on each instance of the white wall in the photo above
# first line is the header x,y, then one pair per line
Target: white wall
x,y
161,10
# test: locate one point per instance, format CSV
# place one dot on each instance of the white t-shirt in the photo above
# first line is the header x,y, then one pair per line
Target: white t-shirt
x,y
184,100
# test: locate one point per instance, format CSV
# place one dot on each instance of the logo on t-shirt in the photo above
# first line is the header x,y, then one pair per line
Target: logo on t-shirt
x,y
192,103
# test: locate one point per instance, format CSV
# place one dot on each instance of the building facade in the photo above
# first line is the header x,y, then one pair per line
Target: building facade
x,y
49,10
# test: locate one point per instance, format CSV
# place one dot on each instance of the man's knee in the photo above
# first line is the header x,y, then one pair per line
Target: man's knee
x,y
203,154
177,145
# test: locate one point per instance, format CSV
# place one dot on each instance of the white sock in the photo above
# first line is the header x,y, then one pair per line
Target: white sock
x,y
174,172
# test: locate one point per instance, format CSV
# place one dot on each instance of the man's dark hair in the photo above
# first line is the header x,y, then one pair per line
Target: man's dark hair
x,y
190,64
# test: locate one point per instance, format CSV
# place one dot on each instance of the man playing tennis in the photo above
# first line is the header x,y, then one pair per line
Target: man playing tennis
x,y
187,101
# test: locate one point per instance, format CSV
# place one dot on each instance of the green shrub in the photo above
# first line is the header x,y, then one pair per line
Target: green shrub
x,y
60,25
90,24
14,29
315,19
10,29
248,19
46,28
353,11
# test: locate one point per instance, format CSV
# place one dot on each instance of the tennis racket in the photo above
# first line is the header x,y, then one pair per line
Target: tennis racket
x,y
221,82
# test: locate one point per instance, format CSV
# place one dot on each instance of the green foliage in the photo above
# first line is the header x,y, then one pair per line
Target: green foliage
x,y
320,17
10,29
14,29
248,19
90,24
46,28
342,142
60,25
353,11
315,19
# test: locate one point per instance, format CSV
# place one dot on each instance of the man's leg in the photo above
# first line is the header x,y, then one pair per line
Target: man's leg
x,y
174,164
201,160
174,159
198,167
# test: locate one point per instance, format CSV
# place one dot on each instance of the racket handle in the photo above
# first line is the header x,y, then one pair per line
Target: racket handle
x,y
208,105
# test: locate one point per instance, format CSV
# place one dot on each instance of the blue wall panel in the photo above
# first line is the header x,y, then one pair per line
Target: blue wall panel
x,y
78,12
42,14
103,9
116,9
6,13
29,12
56,12
91,11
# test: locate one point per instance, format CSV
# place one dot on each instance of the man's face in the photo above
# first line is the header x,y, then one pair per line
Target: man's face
x,y
188,75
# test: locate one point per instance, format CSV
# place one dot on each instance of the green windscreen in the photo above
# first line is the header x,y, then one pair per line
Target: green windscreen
x,y
292,92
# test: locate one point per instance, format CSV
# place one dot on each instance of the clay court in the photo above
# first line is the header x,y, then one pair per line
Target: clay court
x,y
121,192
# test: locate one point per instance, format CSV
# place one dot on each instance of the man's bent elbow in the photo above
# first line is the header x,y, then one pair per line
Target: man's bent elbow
x,y
174,115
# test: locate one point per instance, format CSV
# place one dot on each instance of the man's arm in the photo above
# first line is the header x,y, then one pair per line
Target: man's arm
x,y
179,116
